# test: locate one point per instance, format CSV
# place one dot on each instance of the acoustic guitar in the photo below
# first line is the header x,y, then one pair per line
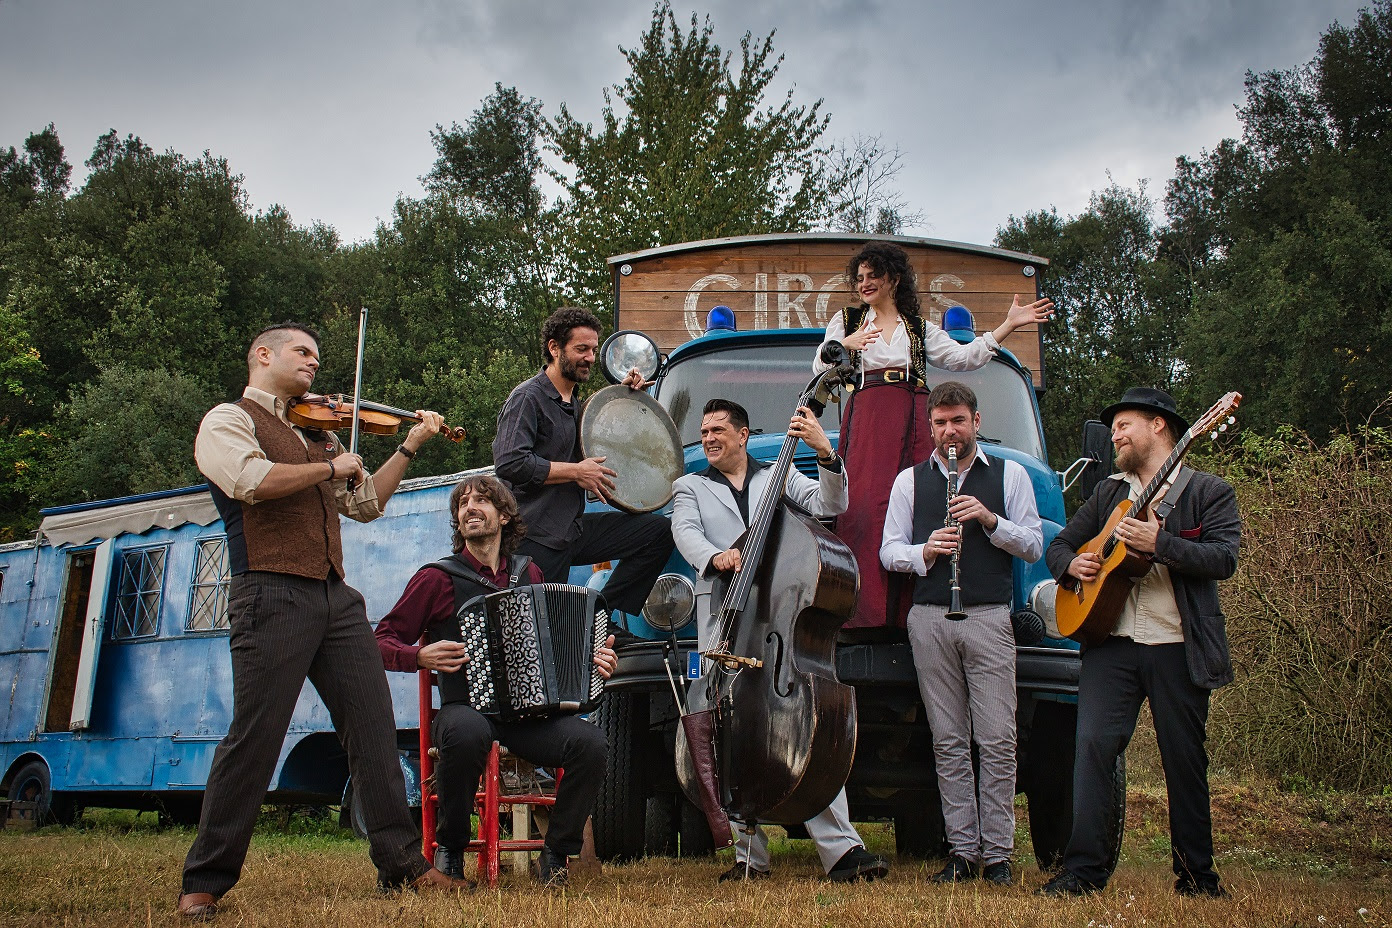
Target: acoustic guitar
x,y
1090,612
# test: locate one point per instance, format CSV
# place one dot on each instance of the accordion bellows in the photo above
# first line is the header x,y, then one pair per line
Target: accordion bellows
x,y
532,648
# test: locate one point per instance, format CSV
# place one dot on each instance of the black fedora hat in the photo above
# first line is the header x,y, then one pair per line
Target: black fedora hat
x,y
1147,399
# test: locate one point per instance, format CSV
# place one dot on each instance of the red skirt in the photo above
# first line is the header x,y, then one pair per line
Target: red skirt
x,y
884,430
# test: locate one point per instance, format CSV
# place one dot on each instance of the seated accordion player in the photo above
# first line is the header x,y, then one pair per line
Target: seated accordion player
x,y
532,650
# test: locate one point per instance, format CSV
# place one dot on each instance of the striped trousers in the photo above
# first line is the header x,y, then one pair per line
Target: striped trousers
x,y
966,673
286,629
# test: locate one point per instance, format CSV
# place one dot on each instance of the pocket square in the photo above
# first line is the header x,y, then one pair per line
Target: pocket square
x,y
1191,533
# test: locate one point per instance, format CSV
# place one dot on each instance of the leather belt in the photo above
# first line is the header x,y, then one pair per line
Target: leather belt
x,y
884,375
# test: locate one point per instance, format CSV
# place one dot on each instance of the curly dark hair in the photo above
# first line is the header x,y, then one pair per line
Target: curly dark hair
x,y
561,323
888,259
496,492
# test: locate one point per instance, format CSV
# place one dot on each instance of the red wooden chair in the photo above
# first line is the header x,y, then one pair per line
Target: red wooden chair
x,y
489,845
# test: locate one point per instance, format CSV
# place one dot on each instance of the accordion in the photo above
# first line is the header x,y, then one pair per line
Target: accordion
x,y
532,648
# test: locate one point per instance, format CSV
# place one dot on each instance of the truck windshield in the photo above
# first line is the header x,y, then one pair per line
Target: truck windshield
x,y
766,381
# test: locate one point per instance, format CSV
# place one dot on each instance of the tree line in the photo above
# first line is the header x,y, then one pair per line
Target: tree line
x,y
125,304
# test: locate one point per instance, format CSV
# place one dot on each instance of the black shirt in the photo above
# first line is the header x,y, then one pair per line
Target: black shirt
x,y
536,427
742,495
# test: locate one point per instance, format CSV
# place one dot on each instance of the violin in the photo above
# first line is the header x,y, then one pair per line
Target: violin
x,y
328,413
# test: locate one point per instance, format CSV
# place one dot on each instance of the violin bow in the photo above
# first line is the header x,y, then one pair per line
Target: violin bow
x,y
357,388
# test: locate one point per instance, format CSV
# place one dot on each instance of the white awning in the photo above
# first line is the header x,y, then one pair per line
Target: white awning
x,y
136,518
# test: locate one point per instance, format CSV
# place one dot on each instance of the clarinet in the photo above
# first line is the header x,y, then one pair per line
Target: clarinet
x,y
954,611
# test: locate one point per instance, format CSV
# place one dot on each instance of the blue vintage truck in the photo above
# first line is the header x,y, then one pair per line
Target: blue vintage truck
x,y
778,291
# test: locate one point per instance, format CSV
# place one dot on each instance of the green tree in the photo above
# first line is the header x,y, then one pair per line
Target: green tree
x,y
1120,308
1285,236
130,430
686,150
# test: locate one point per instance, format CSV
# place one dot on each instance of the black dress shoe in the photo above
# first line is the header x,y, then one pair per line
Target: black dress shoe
x,y
1067,884
1212,889
858,864
998,873
552,868
740,872
450,862
957,870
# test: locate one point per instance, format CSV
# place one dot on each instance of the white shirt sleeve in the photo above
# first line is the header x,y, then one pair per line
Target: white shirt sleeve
x,y
897,550
1019,533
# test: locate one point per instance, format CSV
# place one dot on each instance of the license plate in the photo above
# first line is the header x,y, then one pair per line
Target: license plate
x,y
693,666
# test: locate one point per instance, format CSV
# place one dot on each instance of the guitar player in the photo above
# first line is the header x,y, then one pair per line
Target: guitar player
x,y
1169,644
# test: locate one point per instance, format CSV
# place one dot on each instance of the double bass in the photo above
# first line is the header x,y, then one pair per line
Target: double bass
x,y
782,727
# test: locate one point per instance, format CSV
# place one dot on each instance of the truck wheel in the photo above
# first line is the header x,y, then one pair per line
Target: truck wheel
x,y
696,838
1048,779
31,784
350,812
621,810
1049,786
918,825
662,827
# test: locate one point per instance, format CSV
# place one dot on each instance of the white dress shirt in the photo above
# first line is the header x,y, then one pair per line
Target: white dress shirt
x,y
891,350
1018,532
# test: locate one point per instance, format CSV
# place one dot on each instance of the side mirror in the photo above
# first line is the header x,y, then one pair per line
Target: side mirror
x,y
1100,455
623,351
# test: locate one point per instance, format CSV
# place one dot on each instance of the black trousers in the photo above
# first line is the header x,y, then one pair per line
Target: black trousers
x,y
1116,676
640,543
284,629
464,737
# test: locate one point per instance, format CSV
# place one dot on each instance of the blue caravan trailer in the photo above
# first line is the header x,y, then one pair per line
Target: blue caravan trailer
x,y
114,652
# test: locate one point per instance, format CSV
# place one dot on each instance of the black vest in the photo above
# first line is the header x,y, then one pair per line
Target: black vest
x,y
985,572
468,584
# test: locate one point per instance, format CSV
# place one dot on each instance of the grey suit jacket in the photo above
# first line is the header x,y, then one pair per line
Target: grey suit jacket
x,y
1199,546
706,520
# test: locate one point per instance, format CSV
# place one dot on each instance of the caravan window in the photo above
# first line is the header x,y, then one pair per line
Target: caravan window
x,y
208,610
138,595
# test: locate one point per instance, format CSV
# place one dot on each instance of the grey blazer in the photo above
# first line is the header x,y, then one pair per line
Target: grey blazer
x,y
706,520
1199,546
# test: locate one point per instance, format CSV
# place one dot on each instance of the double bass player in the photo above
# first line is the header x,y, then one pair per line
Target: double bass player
x,y
710,511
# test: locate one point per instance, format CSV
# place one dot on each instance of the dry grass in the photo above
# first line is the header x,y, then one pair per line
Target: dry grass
x,y
1290,859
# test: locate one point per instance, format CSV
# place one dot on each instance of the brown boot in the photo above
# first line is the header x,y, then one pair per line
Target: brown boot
x,y
433,880
197,906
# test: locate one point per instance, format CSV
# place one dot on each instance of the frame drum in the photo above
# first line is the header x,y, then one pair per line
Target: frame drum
x,y
638,440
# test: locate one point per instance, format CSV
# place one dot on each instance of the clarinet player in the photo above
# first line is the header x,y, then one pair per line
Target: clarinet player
x,y
965,663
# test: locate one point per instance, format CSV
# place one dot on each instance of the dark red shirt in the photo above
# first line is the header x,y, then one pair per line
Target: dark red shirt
x,y
428,597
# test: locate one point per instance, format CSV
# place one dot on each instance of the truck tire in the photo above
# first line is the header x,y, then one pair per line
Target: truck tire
x,y
695,834
31,783
1048,780
621,811
918,825
1049,786
662,829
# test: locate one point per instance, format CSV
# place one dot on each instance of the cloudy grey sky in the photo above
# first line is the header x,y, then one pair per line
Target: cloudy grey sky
x,y
998,106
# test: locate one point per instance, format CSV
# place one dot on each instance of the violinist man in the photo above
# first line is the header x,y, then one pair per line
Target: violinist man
x,y
537,454
484,517
1169,646
280,490
966,666
710,511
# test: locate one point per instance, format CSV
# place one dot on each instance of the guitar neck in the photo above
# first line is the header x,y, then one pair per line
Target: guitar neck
x,y
1163,474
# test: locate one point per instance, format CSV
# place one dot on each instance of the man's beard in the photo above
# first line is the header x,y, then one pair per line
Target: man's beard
x,y
1129,459
570,370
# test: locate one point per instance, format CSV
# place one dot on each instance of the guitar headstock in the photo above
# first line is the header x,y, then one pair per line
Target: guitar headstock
x,y
1218,417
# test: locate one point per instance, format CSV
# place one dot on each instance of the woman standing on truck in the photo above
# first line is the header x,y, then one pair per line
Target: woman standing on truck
x,y
884,426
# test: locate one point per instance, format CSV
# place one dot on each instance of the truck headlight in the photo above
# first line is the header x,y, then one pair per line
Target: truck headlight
x,y
1041,600
672,603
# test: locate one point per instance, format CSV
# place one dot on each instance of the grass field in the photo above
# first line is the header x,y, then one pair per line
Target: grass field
x,y
1291,857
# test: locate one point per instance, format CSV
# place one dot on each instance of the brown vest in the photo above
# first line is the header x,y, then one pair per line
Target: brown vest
x,y
296,534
